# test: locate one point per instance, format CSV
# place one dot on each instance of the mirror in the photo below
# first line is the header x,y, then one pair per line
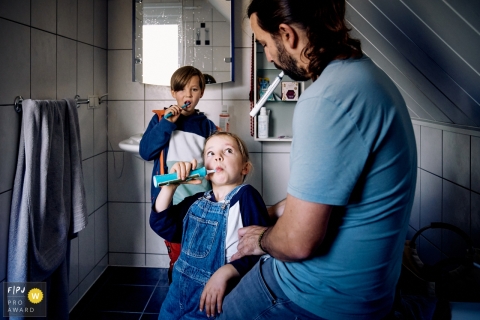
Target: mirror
x,y
168,34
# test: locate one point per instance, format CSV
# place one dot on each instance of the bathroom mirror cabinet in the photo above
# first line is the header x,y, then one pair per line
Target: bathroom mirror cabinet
x,y
168,34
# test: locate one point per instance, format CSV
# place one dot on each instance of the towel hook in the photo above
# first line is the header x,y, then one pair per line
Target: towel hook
x,y
81,101
17,103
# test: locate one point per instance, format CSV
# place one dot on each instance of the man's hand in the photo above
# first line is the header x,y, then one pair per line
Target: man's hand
x,y
214,291
248,243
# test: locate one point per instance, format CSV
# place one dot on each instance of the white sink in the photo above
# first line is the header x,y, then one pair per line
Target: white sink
x,y
132,144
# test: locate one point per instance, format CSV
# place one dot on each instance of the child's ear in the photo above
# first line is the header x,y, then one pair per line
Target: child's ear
x,y
173,94
247,167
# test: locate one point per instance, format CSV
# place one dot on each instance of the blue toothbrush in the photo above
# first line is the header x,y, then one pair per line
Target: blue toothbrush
x,y
161,180
168,115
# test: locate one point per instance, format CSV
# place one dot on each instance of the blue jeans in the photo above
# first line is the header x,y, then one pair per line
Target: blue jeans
x,y
258,296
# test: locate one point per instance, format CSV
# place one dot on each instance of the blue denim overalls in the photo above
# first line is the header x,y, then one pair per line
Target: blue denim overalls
x,y
203,253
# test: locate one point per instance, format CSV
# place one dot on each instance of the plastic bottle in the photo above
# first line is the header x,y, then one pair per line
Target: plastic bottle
x,y
263,123
225,119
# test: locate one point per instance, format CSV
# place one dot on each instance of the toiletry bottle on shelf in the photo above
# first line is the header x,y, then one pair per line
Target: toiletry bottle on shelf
x,y
225,119
263,123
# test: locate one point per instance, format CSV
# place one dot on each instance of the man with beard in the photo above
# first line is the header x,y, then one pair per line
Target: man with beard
x,y
335,252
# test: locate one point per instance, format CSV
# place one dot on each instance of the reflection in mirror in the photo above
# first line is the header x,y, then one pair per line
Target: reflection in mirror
x,y
168,34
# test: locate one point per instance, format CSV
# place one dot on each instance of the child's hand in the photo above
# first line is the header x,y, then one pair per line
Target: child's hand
x,y
183,170
175,111
214,291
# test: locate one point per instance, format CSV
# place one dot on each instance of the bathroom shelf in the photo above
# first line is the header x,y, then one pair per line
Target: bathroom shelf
x,y
281,112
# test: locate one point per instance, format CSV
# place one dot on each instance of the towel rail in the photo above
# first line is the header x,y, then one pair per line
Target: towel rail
x,y
17,103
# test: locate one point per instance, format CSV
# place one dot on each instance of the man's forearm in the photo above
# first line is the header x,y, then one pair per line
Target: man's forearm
x,y
298,232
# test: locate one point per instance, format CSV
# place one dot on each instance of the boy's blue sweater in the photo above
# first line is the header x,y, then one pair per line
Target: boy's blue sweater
x,y
189,133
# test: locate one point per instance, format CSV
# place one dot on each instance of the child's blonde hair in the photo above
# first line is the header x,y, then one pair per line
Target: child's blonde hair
x,y
242,147
182,76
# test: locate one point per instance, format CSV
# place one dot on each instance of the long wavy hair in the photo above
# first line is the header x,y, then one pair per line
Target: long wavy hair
x,y
322,20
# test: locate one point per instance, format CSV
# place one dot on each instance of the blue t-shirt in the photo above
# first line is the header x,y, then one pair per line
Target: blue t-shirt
x,y
353,148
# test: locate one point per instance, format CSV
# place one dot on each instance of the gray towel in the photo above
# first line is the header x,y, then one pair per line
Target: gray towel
x,y
48,201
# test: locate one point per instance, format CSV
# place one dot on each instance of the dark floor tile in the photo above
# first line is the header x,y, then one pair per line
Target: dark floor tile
x,y
149,316
122,298
90,295
156,300
135,275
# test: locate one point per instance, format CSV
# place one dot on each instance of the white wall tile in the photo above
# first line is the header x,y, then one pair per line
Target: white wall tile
x,y
85,21
85,70
126,178
240,122
431,150
120,84
67,18
242,30
255,177
277,146
148,180
157,260
212,91
126,227
43,58
219,65
85,119
239,89
222,76
119,24
5,199
430,204
456,166
44,14
74,265
475,161
126,259
10,124
100,72
218,16
276,172
220,34
86,249
211,108
125,119
100,181
10,10
154,243
202,15
73,299
85,284
89,183
416,130
66,68
100,16
101,267
203,59
154,92
14,61
154,105
101,234
100,126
